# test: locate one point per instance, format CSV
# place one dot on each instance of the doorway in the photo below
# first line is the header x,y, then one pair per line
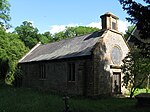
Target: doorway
x,y
116,83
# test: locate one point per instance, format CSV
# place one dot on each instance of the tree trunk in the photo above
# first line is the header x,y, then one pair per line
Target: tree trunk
x,y
131,94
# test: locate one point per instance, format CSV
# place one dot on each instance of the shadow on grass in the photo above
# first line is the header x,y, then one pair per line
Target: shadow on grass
x,y
28,100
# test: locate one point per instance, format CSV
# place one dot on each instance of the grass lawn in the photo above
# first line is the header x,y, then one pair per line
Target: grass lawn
x,y
141,91
28,100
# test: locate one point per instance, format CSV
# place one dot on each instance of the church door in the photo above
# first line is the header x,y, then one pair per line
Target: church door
x,y
116,83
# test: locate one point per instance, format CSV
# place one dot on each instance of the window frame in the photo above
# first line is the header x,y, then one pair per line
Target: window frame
x,y
42,71
71,72
114,25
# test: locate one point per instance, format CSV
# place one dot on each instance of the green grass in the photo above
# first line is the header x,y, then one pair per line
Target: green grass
x,y
140,91
28,100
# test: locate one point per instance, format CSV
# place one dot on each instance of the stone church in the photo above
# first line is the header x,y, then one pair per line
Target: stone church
x,y
87,65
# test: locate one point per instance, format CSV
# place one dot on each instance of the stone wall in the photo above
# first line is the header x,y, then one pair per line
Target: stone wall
x,y
102,62
115,39
57,76
102,79
93,73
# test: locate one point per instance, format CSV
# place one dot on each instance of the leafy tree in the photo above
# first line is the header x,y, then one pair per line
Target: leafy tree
x,y
4,13
48,35
30,36
137,60
11,50
59,36
27,33
139,15
135,69
128,31
74,31
45,37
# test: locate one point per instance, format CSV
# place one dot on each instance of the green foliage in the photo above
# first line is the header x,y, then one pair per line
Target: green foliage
x,y
74,31
137,63
135,69
128,31
138,91
11,50
30,36
4,13
45,37
27,33
139,15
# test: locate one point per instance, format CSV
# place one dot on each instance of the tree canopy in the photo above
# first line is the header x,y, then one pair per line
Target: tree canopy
x,y
27,33
4,13
128,31
74,31
135,69
137,63
139,15
30,36
11,50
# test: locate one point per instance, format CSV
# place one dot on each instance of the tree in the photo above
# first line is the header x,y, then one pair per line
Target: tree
x,y
27,33
59,36
46,37
74,31
30,36
135,69
128,31
139,15
11,50
4,13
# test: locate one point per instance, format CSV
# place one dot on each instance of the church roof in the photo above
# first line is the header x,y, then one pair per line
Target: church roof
x,y
67,48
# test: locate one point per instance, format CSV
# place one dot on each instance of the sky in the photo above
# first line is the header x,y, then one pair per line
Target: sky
x,y
55,15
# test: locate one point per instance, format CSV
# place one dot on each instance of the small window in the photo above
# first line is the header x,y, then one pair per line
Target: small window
x,y
71,76
114,25
42,71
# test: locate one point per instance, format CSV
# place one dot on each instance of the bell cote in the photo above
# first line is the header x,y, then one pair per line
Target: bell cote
x,y
109,21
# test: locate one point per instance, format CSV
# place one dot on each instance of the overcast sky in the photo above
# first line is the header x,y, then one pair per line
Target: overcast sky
x,y
54,15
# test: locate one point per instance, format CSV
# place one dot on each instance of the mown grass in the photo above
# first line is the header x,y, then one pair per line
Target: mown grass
x,y
140,91
28,100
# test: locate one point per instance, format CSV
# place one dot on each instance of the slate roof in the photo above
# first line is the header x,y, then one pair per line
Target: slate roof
x,y
67,48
